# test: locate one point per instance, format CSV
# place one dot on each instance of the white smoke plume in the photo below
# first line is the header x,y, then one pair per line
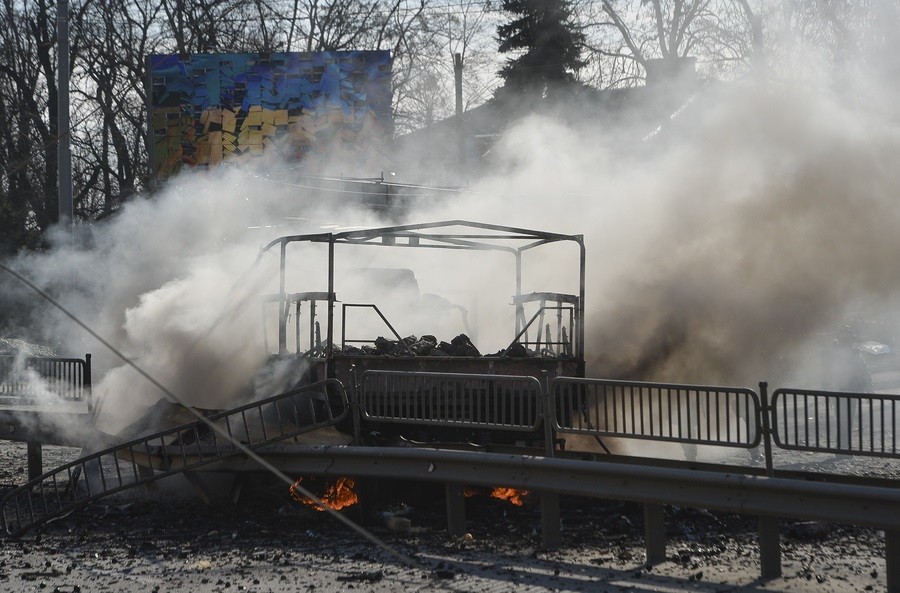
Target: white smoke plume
x,y
171,281
761,215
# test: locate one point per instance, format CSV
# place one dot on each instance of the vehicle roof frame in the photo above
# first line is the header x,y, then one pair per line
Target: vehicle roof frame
x,y
418,236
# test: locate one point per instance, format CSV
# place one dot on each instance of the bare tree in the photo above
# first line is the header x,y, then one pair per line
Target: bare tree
x,y
824,33
111,40
28,79
425,92
625,35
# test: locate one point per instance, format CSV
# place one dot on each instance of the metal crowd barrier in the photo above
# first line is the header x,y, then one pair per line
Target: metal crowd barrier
x,y
791,419
496,402
171,451
833,422
697,414
66,378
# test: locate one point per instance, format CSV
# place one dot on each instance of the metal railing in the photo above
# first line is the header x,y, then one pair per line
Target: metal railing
x,y
345,341
31,380
496,402
833,422
697,414
171,451
563,336
791,419
736,417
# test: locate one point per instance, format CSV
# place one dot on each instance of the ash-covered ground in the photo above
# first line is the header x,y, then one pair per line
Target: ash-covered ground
x,y
163,541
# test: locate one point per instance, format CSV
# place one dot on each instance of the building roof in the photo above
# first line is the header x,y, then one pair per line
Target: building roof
x,y
640,111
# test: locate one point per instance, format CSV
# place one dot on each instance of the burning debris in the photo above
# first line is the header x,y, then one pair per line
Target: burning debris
x,y
338,495
429,345
511,495
297,392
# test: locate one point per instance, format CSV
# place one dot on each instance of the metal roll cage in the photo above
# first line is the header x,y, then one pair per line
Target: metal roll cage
x,y
477,236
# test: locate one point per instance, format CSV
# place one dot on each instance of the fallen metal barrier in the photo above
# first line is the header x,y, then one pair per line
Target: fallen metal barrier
x,y
175,450
65,378
492,402
833,422
695,414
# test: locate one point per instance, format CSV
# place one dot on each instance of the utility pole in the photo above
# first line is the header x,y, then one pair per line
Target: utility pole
x,y
63,148
460,125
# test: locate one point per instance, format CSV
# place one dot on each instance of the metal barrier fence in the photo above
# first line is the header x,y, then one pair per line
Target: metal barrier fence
x,y
496,402
832,422
697,414
172,451
737,417
33,379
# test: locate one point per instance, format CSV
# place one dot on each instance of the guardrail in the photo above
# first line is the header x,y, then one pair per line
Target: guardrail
x,y
29,380
495,402
654,487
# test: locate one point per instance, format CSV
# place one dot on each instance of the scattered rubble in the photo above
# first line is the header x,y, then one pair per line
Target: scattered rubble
x,y
429,345
398,524
808,530
369,577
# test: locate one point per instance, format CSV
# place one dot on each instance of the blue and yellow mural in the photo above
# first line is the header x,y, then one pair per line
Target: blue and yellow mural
x,y
205,108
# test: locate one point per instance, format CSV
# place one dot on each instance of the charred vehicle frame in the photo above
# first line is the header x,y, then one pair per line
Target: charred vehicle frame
x,y
540,357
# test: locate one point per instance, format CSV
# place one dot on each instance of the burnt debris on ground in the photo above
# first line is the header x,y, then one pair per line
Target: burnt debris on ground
x,y
428,345
269,542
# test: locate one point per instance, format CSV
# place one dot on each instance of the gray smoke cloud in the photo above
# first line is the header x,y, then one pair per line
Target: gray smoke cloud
x,y
761,215
172,280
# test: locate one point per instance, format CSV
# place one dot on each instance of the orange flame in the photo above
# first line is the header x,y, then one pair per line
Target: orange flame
x,y
338,495
516,497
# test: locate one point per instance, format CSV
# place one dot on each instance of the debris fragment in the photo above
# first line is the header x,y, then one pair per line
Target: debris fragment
x,y
368,577
809,529
398,524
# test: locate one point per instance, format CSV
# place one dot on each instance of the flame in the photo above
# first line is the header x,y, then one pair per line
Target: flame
x,y
469,492
516,497
338,495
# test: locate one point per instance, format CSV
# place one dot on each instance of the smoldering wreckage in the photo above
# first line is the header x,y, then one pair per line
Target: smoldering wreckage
x,y
340,386
317,387
331,410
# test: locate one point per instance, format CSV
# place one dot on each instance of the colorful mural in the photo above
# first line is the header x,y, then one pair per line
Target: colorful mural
x,y
205,108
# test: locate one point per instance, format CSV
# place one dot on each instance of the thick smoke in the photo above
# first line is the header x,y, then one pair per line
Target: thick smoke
x,y
760,216
172,280
721,242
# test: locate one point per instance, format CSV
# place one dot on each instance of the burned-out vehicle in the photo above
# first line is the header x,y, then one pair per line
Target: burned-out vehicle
x,y
324,334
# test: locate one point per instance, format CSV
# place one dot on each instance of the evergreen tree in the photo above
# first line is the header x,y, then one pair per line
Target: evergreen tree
x,y
543,29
